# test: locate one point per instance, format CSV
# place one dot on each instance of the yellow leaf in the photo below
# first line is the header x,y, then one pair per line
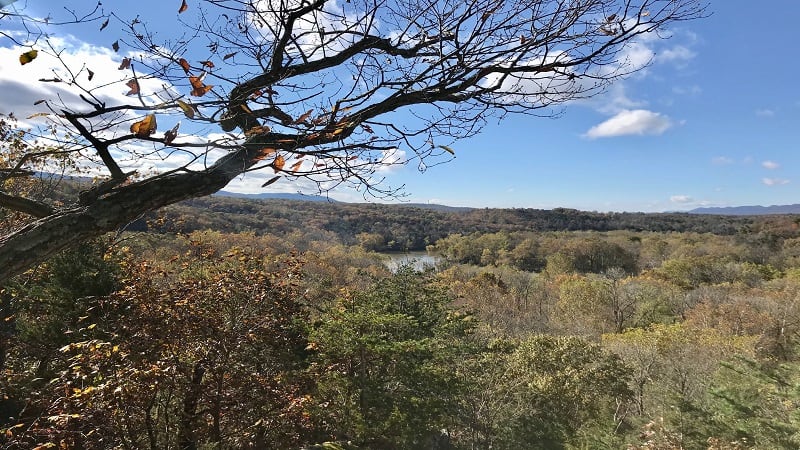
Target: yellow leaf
x,y
188,110
144,127
447,149
28,56
91,327
41,114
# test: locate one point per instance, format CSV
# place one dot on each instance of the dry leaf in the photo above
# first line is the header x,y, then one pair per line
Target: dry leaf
x,y
91,74
28,56
208,64
303,117
278,164
198,88
258,129
115,46
447,149
229,56
134,85
105,24
144,127
184,65
271,180
184,7
188,110
263,153
126,64
170,135
296,166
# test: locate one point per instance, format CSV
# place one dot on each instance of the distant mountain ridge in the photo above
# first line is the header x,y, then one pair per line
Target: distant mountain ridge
x,y
279,196
755,210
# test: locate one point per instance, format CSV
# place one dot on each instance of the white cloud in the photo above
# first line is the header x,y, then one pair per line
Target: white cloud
x,y
774,181
631,122
681,199
721,160
765,112
771,165
678,54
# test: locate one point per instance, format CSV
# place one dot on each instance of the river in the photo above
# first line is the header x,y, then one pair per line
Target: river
x,y
419,260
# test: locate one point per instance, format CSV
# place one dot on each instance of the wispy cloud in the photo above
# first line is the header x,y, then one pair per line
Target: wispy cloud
x,y
765,112
687,90
775,181
681,199
631,122
677,54
771,165
721,161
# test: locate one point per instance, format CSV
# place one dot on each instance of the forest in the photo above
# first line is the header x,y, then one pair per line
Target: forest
x,y
234,323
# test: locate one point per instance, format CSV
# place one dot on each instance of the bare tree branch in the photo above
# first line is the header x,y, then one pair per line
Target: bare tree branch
x,y
341,84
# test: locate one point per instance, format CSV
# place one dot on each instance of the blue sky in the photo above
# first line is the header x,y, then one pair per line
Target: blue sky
x,y
712,121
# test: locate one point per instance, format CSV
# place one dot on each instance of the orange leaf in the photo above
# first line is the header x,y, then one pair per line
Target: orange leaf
x,y
208,64
28,56
278,164
296,166
144,127
183,7
196,82
198,88
185,65
271,180
126,64
258,129
263,153
303,117
134,85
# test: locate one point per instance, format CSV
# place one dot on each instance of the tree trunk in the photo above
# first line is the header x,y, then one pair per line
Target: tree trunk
x,y
187,439
41,239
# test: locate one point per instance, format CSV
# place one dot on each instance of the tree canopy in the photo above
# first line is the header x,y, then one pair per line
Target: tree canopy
x,y
330,92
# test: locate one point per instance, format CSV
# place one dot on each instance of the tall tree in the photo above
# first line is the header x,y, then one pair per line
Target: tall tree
x,y
315,89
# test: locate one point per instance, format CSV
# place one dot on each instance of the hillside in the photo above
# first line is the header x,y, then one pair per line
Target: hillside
x,y
407,227
756,210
